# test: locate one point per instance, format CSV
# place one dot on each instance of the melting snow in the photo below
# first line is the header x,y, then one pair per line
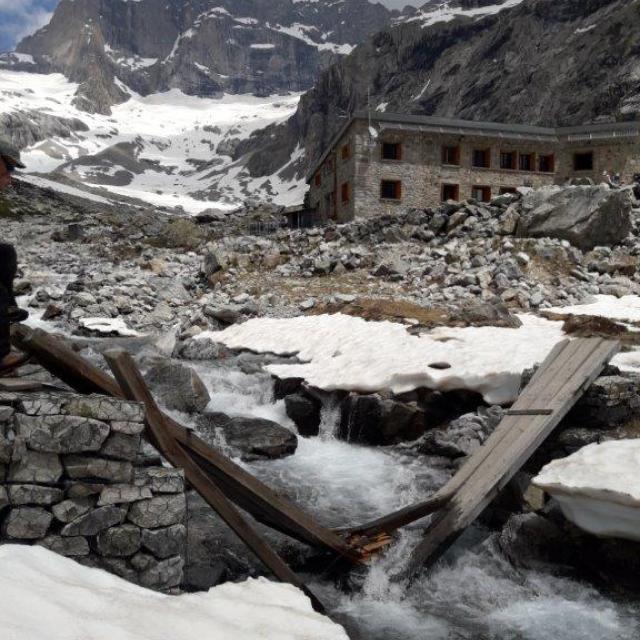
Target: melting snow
x,y
625,309
43,595
598,488
343,352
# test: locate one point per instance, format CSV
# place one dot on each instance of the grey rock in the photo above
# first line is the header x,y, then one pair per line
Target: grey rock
x,y
23,494
585,216
121,446
178,387
162,575
62,434
160,511
95,521
79,467
35,466
123,494
69,547
305,413
127,428
161,480
124,540
251,438
27,523
105,408
72,509
4,499
165,543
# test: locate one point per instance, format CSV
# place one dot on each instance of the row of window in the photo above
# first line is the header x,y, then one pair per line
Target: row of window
x,y
509,160
392,190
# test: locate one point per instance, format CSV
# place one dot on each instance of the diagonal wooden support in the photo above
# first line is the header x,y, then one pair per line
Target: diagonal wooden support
x,y
134,388
238,485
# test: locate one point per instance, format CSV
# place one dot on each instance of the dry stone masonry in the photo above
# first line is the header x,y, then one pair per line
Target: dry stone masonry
x,y
76,479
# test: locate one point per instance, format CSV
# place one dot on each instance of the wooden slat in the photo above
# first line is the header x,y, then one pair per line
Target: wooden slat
x,y
134,388
239,485
560,386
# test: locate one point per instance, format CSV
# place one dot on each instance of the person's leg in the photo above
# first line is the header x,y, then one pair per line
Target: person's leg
x,y
8,270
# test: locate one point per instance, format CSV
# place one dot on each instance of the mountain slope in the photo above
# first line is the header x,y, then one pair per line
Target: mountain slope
x,y
540,62
203,47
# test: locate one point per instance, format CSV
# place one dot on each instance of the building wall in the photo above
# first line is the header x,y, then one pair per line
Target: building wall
x,y
422,173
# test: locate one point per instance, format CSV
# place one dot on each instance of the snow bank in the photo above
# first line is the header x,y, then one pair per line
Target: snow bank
x,y
43,595
108,326
344,352
625,309
598,488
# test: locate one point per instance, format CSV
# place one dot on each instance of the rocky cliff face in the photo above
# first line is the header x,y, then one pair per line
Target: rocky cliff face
x,y
542,61
204,47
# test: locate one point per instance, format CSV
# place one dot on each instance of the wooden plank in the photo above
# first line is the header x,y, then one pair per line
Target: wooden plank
x,y
239,485
563,382
134,388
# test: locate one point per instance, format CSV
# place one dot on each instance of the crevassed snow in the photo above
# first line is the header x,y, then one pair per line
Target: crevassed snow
x,y
43,595
177,142
598,488
344,352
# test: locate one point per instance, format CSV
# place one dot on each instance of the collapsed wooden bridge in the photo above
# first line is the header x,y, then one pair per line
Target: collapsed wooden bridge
x,y
563,377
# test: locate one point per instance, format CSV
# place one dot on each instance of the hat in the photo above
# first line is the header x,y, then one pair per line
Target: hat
x,y
10,154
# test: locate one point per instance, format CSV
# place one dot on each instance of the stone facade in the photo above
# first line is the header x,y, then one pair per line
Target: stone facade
x,y
358,182
75,478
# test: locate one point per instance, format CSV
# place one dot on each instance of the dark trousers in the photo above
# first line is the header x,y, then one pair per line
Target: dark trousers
x,y
8,270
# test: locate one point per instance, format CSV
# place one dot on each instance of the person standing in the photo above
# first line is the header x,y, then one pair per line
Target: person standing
x,y
9,311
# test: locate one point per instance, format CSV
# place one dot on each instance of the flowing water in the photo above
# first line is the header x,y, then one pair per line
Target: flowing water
x,y
475,594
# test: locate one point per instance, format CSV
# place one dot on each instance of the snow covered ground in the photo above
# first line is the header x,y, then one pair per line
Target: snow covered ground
x,y
624,309
177,147
43,595
598,488
444,12
344,352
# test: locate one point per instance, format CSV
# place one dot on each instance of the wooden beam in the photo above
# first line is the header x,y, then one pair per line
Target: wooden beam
x,y
135,388
564,377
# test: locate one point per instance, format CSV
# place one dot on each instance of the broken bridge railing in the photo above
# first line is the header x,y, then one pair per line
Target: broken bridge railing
x,y
562,378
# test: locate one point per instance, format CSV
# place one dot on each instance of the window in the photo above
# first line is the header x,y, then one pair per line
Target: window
x,y
391,151
346,152
546,163
318,179
504,190
390,190
508,160
451,155
481,158
482,194
345,192
526,161
450,192
583,161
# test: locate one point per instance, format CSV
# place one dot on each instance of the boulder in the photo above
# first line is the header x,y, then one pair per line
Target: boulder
x,y
160,511
22,494
370,419
69,547
165,543
250,438
35,466
586,216
124,540
94,522
305,412
487,314
178,387
27,523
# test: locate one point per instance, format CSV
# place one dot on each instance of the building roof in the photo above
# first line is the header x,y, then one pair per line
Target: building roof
x,y
490,129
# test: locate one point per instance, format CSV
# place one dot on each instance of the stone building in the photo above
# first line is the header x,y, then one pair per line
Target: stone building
x,y
381,161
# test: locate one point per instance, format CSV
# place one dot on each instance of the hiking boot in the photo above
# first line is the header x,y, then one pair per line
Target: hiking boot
x,y
13,361
15,314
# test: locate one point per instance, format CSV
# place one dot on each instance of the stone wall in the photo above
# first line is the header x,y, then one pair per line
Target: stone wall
x,y
76,479
423,174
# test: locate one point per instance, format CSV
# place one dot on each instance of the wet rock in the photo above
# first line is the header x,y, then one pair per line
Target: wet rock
x,y
27,523
370,419
160,511
305,412
178,387
95,521
124,540
251,438
165,543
